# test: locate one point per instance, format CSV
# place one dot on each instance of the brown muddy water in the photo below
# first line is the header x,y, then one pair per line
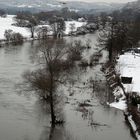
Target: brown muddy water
x,y
23,117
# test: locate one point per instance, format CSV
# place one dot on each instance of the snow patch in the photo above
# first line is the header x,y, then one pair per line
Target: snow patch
x,y
120,99
53,5
119,105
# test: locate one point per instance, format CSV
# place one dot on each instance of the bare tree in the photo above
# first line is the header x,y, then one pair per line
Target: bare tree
x,y
8,34
32,25
72,27
15,38
55,65
75,51
42,32
58,26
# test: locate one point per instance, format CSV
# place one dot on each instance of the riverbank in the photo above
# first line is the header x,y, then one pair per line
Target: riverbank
x,y
129,66
9,23
81,28
115,86
126,93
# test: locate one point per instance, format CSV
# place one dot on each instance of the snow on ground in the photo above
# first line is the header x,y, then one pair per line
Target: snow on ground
x,y
54,5
6,23
119,105
120,102
76,24
23,6
129,66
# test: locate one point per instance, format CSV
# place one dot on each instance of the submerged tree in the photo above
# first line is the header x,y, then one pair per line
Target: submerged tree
x,y
12,37
55,66
26,19
42,32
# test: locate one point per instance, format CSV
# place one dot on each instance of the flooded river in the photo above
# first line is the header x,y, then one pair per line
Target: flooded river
x,y
22,116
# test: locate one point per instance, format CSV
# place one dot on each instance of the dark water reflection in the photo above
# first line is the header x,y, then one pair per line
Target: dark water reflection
x,y
25,117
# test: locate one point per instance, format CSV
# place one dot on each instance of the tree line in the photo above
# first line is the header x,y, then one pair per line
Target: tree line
x,y
119,32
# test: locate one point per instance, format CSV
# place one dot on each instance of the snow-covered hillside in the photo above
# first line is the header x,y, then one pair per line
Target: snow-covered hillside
x,y
6,23
47,5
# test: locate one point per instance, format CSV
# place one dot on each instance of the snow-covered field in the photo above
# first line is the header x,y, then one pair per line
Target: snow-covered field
x,y
129,66
6,23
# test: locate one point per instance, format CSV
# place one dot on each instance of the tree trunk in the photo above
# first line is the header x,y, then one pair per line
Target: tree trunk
x,y
51,133
53,117
32,32
111,43
110,53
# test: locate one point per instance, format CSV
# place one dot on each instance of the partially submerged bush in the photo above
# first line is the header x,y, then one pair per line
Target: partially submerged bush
x,y
8,34
15,38
42,32
75,51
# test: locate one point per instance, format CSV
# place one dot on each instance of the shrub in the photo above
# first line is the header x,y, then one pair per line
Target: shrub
x,y
15,38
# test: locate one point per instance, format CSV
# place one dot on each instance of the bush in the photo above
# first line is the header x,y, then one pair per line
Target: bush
x,y
15,38
8,34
